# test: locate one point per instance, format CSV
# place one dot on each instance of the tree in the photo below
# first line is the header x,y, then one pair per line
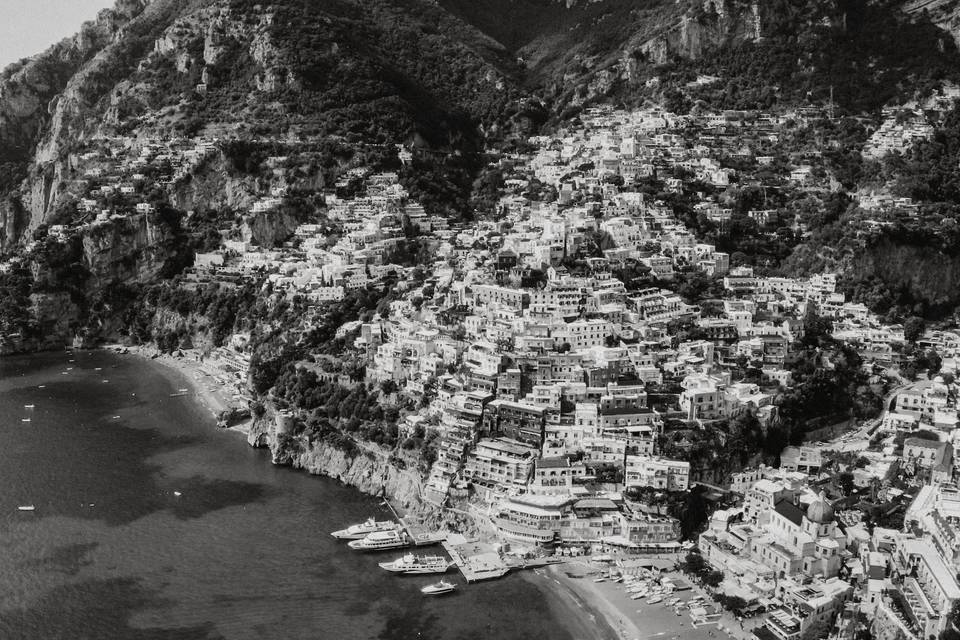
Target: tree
x,y
913,329
954,616
693,564
845,480
950,634
816,328
713,578
734,603
388,387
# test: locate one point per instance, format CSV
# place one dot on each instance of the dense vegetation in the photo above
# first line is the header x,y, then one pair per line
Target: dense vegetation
x,y
898,262
829,385
862,55
330,408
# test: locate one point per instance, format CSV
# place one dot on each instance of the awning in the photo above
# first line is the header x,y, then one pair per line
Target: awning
x,y
620,541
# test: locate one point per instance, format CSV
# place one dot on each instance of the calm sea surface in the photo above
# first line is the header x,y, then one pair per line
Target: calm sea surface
x,y
243,552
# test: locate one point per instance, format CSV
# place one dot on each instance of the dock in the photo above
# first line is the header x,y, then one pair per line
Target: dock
x,y
476,560
418,534
482,561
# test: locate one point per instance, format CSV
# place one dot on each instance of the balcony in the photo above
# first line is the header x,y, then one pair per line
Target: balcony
x,y
900,608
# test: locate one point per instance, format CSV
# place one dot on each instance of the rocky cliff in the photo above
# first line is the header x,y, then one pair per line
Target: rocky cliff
x,y
51,103
944,13
368,468
380,71
134,249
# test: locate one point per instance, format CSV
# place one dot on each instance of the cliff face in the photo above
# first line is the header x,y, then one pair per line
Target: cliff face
x,y
29,92
54,101
943,13
377,71
918,274
370,469
28,89
134,249
370,472
215,186
910,272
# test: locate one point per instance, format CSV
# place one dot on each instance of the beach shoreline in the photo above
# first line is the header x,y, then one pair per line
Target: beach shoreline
x,y
581,593
570,605
628,619
202,386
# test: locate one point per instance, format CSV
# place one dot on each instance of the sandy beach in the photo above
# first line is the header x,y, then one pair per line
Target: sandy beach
x,y
635,619
585,618
203,385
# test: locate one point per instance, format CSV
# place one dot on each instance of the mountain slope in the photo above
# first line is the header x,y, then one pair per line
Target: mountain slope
x,y
376,72
439,74
292,95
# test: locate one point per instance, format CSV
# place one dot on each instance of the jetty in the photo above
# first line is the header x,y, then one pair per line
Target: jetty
x,y
419,535
476,560
483,561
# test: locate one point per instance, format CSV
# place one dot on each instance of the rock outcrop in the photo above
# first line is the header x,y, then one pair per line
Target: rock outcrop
x,y
368,468
129,250
943,13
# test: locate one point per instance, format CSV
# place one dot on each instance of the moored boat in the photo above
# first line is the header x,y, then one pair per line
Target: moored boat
x,y
381,541
359,531
414,565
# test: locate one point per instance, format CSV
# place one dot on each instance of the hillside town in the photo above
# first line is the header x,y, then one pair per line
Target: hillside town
x,y
558,358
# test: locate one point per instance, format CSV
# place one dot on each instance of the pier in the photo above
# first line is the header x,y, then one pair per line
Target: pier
x,y
483,561
418,534
476,560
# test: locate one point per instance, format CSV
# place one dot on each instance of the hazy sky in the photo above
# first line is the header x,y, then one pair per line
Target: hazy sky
x,y
30,26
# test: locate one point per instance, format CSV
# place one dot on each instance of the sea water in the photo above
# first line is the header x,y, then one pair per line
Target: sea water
x,y
110,550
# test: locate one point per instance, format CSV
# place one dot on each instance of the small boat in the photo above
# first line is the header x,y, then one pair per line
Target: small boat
x,y
26,507
178,395
655,600
600,579
438,588
381,541
98,368
42,386
358,531
28,406
24,419
177,493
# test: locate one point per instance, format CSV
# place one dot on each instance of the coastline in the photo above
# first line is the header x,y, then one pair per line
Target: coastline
x,y
580,595
584,608
629,619
202,386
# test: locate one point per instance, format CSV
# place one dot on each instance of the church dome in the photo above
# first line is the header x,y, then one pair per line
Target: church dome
x,y
820,511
